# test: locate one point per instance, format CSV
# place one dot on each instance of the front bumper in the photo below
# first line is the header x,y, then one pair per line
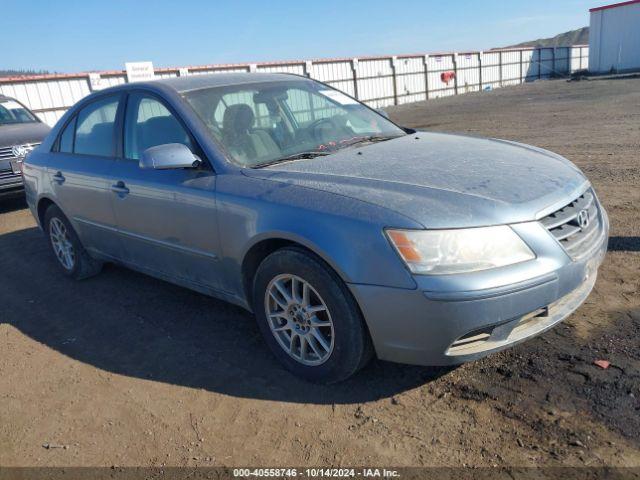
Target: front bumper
x,y
447,321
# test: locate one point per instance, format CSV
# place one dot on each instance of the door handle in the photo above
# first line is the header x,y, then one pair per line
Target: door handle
x,y
120,188
59,178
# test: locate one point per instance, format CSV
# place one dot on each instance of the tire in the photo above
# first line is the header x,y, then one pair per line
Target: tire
x,y
346,347
78,264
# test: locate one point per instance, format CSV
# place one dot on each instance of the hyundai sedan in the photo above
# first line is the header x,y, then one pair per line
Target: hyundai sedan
x,y
345,234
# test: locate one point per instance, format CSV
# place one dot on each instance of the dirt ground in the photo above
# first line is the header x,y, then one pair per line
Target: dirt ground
x,y
123,369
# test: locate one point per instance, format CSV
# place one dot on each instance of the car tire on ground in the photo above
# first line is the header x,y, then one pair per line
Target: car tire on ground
x,y
70,255
309,318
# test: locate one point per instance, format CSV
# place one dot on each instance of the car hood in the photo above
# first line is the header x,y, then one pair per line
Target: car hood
x,y
21,133
442,180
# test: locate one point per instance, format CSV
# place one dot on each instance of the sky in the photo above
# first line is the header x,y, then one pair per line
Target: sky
x,y
85,35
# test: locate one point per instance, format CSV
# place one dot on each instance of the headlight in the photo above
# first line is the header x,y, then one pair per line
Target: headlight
x,y
437,252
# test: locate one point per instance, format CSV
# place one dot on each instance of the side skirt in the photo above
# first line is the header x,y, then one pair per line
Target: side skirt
x,y
180,281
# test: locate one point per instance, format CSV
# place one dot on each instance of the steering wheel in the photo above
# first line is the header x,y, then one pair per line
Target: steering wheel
x,y
315,128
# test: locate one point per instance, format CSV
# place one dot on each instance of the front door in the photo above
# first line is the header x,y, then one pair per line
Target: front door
x,y
166,218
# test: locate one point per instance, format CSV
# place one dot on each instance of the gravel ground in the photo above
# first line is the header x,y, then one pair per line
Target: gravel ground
x,y
123,369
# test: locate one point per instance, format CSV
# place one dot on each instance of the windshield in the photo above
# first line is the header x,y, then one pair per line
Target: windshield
x,y
263,123
12,112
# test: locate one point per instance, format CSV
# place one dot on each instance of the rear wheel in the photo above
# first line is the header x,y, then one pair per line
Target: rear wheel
x,y
71,256
309,318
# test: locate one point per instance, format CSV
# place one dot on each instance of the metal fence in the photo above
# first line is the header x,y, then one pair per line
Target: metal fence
x,y
377,81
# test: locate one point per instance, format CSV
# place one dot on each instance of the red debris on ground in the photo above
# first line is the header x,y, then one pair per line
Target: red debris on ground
x,y
603,364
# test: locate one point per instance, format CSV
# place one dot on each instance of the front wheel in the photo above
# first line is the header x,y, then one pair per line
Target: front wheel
x,y
309,318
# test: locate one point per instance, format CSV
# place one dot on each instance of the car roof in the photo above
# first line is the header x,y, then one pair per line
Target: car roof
x,y
197,82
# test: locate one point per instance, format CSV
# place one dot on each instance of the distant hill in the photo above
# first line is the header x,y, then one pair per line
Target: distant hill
x,y
574,37
20,73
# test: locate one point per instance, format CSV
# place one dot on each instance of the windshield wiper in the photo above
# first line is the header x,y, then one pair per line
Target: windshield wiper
x,y
371,139
319,153
295,156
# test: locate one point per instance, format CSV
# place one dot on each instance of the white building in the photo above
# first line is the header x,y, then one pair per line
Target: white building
x,y
614,38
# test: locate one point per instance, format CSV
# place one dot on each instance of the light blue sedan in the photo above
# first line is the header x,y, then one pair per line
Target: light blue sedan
x,y
347,235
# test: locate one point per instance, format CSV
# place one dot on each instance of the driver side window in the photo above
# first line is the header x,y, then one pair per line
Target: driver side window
x,y
149,123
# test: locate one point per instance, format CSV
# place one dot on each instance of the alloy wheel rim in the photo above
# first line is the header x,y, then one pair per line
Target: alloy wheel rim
x,y
62,246
299,319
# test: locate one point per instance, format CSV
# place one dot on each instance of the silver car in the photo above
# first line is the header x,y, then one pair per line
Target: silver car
x,y
345,234
20,132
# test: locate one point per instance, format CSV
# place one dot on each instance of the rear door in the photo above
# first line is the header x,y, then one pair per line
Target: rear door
x,y
166,218
80,172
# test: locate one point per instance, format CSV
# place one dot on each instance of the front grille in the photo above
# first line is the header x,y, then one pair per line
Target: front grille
x,y
8,175
565,225
7,154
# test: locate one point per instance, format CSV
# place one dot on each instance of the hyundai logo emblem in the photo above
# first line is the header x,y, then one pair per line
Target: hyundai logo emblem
x,y
20,151
583,219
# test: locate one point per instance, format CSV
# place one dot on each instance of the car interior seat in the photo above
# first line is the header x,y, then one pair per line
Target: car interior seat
x,y
245,143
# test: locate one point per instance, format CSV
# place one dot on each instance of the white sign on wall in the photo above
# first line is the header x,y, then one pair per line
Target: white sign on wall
x,y
139,71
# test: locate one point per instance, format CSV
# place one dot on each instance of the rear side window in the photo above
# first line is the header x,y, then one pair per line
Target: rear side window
x,y
95,129
66,139
149,123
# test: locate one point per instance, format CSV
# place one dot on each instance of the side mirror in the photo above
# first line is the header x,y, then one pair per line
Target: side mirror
x,y
382,112
169,156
